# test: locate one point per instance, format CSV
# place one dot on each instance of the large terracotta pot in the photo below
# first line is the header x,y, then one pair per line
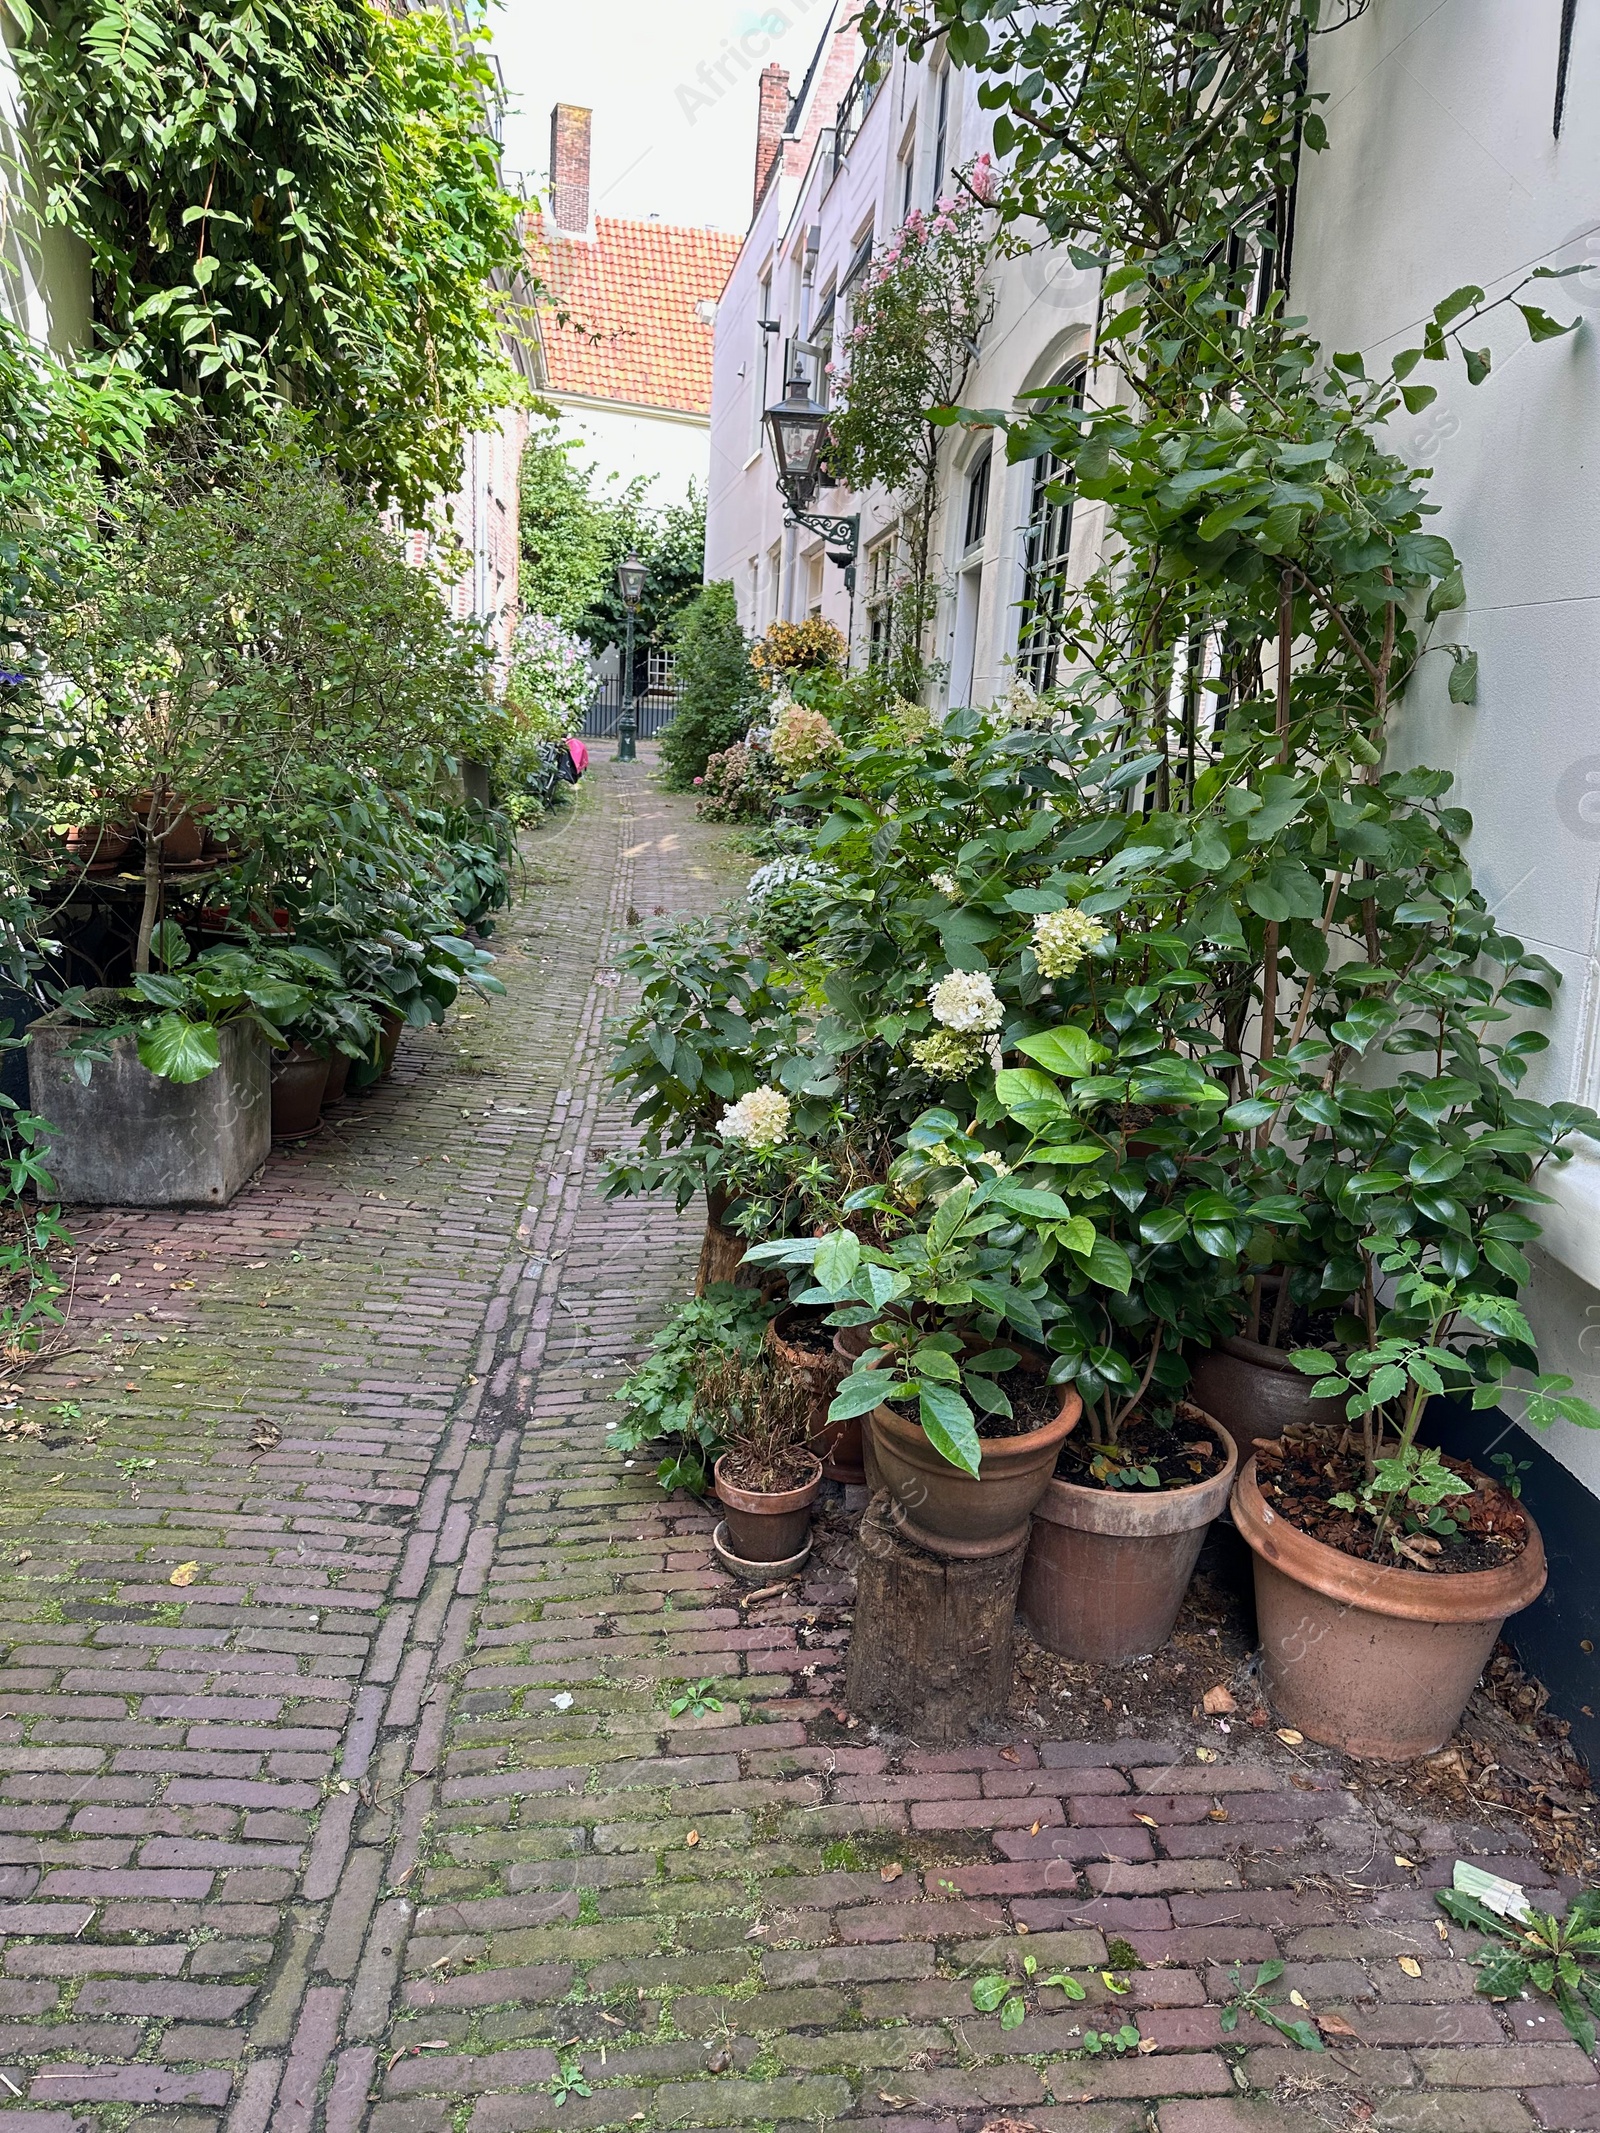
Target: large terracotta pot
x,y
819,1373
299,1079
768,1526
184,838
338,1075
951,1513
1255,1391
1107,1569
1373,1660
97,844
389,1041
845,1460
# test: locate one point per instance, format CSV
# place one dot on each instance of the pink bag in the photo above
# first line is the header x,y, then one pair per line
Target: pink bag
x,y
579,755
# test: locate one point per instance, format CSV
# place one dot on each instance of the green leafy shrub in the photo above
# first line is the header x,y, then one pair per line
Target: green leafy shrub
x,y
717,688
659,1400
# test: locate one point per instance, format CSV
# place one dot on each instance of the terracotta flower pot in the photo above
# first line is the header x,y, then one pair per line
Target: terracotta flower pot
x,y
338,1075
389,1041
299,1078
845,1459
183,840
1107,1569
768,1526
1373,1660
1255,1391
948,1512
819,1372
97,844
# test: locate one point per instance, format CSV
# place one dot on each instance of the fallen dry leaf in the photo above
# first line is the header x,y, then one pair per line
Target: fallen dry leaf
x,y
1409,1965
1216,1814
54,1478
1297,1999
891,1872
185,1574
1207,1755
1290,1738
1009,1755
1399,1861
1333,2025
693,1837
264,1436
1149,1821
1217,1702
1034,1828
1148,2045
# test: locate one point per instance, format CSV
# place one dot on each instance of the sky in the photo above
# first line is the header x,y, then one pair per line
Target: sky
x,y
672,84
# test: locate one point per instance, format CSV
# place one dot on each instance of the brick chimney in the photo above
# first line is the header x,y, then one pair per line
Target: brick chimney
x,y
569,169
774,116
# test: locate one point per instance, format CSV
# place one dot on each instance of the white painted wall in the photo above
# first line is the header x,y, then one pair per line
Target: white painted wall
x,y
670,450
1044,314
1443,170
44,273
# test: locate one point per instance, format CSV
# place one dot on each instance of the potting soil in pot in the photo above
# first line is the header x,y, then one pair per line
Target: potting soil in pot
x,y
1034,1405
1297,1475
1175,1447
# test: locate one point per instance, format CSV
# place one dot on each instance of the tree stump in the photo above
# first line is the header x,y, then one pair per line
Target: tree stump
x,y
722,1251
931,1650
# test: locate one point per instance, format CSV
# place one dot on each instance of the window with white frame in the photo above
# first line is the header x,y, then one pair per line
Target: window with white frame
x,y
941,133
880,597
976,521
1048,544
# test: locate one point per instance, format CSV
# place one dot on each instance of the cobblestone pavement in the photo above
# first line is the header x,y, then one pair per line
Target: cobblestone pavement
x,y
339,1784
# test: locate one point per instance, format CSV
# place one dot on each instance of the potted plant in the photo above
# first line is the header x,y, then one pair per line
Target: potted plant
x,y
964,1428
1248,1379
159,1096
335,1027
767,1478
1384,1570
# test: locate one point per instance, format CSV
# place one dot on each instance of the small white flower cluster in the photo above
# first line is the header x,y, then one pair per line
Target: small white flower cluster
x,y
783,873
966,1000
759,1120
1061,940
946,884
951,1055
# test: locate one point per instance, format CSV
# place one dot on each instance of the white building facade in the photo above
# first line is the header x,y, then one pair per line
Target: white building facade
x,y
852,159
1463,149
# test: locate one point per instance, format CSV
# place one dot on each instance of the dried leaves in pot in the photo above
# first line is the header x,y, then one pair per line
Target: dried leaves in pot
x,y
762,1413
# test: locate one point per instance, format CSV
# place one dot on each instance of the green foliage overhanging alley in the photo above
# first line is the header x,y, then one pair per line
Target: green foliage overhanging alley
x,y
287,203
1177,970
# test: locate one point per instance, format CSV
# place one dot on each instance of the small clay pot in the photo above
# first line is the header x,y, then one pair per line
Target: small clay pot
x,y
338,1075
1255,1391
1369,1659
768,1526
97,844
389,1041
1107,1569
299,1078
947,1512
844,1460
184,838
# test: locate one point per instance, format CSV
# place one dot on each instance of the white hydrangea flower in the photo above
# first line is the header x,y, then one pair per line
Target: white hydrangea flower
x,y
946,884
1061,940
966,1001
759,1120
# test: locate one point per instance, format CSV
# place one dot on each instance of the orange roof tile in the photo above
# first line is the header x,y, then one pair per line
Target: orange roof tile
x,y
629,330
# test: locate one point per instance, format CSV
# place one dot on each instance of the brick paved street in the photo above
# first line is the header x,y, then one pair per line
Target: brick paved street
x,y
383,1821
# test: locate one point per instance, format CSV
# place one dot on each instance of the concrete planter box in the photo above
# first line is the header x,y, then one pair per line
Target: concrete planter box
x,y
130,1139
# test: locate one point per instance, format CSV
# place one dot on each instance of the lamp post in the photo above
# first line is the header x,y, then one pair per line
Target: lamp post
x,y
797,427
630,583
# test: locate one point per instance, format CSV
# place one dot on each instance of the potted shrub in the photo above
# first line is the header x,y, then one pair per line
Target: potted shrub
x,y
336,1026
767,1478
1384,1570
965,1428
159,1096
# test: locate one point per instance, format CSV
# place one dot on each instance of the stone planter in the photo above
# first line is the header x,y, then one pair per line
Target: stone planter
x,y
126,1138
1372,1660
1107,1569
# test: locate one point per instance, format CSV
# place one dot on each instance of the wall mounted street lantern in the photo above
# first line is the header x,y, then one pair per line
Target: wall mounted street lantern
x,y
798,429
630,583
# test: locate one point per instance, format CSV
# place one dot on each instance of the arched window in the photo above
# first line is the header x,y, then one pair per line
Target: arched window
x,y
1045,556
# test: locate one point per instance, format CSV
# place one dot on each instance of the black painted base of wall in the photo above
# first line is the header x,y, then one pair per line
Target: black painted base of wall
x,y
1558,1637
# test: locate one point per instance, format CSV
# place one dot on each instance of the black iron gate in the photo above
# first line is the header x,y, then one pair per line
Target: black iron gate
x,y
653,713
